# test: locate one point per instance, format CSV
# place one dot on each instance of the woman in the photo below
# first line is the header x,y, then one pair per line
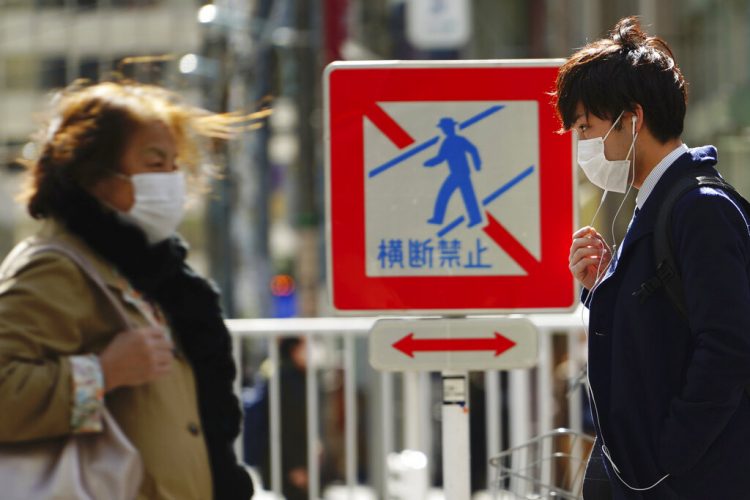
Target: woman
x,y
110,183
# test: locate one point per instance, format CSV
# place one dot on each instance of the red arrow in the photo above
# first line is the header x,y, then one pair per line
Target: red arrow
x,y
408,345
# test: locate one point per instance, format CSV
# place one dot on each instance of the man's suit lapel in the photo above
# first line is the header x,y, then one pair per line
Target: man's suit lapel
x,y
643,223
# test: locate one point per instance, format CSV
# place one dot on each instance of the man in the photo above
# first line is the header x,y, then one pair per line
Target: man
x,y
453,150
667,392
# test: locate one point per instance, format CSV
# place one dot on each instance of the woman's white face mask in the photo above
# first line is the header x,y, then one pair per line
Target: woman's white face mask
x,y
159,204
609,175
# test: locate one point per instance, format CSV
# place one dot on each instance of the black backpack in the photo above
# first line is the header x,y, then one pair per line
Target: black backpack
x,y
667,274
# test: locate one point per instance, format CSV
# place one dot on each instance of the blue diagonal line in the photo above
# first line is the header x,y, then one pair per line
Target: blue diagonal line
x,y
385,166
481,116
447,229
421,147
515,180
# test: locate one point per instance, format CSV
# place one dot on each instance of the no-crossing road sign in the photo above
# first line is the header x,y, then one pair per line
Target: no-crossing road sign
x,y
448,188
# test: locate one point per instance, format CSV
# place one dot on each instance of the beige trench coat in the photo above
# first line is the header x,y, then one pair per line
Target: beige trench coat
x,y
50,311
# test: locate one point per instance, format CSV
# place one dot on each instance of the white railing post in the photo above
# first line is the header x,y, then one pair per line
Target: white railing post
x,y
274,410
386,418
237,355
493,419
313,468
350,402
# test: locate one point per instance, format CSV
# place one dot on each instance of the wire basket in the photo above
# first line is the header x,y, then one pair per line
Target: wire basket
x,y
550,466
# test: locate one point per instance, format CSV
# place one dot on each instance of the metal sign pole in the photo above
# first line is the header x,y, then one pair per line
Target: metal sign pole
x,y
456,458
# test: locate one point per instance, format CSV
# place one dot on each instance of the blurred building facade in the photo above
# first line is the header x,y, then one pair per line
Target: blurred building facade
x,y
265,217
46,44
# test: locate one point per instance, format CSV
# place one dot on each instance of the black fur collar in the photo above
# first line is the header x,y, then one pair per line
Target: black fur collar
x,y
192,307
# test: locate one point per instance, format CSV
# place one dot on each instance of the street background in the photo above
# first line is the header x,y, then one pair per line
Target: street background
x,y
265,217
259,233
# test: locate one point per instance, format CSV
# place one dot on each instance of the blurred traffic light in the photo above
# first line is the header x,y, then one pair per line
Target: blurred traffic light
x,y
283,296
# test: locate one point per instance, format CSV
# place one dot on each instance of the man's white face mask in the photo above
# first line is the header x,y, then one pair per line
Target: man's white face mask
x,y
609,175
159,204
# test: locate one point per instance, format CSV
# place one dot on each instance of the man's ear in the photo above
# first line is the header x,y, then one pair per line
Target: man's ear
x,y
638,118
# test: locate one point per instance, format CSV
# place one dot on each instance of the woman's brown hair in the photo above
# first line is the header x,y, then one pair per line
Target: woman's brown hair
x,y
89,126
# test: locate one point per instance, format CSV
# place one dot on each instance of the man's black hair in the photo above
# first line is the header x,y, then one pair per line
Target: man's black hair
x,y
614,74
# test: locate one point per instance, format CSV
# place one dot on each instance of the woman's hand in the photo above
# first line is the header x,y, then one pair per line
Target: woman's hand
x,y
589,256
135,357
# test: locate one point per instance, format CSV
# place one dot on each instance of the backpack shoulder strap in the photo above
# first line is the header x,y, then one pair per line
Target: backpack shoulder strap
x,y
667,272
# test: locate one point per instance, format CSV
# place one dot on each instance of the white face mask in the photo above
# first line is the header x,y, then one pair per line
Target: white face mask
x,y
610,175
159,204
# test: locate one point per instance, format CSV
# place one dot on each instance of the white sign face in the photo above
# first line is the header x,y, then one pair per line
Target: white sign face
x,y
453,344
438,24
426,209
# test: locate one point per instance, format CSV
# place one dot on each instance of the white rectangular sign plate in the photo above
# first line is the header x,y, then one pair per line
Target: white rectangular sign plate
x,y
453,344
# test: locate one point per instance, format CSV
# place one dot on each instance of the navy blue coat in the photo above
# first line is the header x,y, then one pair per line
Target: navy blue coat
x,y
669,393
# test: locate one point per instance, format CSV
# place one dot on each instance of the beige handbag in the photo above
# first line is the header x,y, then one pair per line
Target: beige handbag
x,y
96,466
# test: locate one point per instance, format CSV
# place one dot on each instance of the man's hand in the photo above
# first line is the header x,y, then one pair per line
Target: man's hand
x,y
589,256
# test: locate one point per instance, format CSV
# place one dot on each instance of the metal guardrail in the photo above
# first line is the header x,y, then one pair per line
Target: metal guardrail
x,y
523,409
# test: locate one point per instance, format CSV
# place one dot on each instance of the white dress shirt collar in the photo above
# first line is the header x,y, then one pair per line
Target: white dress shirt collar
x,y
654,176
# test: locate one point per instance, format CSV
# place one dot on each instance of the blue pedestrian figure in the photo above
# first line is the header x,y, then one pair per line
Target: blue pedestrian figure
x,y
454,150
